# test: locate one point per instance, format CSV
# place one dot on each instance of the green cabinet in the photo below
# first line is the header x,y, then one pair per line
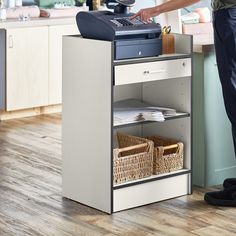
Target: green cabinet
x,y
213,154
50,3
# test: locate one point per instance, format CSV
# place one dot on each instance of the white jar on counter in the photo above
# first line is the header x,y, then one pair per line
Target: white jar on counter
x,y
18,3
10,3
3,14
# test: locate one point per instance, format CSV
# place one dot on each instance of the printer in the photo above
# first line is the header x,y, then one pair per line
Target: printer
x,y
132,38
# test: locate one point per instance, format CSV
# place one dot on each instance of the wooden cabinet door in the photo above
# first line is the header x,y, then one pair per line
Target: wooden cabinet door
x,y
27,68
55,59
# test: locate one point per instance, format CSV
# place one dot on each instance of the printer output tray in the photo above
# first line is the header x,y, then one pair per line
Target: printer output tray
x,y
130,48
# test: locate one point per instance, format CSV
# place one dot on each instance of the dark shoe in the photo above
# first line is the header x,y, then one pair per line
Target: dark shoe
x,y
230,182
226,197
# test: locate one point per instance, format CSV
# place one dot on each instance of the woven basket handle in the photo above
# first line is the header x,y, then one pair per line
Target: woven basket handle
x,y
179,147
171,146
132,147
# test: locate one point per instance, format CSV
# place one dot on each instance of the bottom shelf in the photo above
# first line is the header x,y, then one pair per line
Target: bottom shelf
x,y
150,192
152,178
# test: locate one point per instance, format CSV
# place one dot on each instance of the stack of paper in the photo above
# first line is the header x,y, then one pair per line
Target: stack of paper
x,y
132,110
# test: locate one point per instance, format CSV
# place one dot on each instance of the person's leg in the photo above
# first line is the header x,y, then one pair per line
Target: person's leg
x,y
234,136
225,45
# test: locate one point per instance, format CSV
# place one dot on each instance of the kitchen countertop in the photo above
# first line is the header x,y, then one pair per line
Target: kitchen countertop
x,y
203,39
40,21
203,43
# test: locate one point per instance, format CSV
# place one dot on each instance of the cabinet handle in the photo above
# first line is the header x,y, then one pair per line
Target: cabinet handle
x,y
153,72
10,41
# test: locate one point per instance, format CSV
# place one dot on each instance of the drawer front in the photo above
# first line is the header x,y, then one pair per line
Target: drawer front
x,y
151,192
143,72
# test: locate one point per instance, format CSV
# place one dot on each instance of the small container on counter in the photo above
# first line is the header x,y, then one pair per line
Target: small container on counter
x,y
18,3
96,4
3,14
10,3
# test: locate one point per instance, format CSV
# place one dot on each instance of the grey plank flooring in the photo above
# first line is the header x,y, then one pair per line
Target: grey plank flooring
x,y
31,202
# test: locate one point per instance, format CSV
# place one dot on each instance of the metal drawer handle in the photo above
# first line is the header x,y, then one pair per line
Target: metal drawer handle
x,y
10,41
153,71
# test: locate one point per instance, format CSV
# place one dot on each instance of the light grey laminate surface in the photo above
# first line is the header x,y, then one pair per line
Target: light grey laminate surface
x,y
87,122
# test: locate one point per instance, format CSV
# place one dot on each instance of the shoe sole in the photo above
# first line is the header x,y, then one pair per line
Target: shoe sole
x,y
217,202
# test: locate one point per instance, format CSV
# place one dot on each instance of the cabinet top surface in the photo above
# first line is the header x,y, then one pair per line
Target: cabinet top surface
x,y
40,21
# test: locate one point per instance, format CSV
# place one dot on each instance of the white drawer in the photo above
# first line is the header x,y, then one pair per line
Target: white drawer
x,y
142,72
150,192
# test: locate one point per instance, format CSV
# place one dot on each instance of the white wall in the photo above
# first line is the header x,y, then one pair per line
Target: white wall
x,y
143,4
171,18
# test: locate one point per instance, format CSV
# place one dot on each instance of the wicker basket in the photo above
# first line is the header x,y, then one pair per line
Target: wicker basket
x,y
133,159
167,156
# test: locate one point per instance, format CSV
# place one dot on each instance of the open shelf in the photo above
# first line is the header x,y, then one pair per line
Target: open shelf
x,y
178,115
152,178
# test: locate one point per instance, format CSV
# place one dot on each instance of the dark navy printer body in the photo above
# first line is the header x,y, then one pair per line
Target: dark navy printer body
x,y
132,38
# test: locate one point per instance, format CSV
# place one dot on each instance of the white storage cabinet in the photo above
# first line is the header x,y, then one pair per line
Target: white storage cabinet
x,y
92,81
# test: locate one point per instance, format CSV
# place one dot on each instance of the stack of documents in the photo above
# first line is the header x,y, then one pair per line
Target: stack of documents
x,y
132,110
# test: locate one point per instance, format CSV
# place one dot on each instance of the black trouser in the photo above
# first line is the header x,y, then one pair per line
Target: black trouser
x,y
224,22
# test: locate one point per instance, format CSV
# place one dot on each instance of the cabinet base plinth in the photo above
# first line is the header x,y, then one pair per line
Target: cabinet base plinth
x,y
8,115
151,192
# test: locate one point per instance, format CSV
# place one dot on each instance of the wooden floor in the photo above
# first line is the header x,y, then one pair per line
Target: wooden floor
x,y
31,202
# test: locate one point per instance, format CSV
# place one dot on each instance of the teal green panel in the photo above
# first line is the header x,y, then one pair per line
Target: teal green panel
x,y
50,3
220,161
198,128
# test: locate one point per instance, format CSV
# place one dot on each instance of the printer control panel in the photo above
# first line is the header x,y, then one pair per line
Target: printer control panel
x,y
125,21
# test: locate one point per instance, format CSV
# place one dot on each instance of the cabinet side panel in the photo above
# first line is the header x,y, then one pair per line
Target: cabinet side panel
x,y
183,43
86,122
198,116
2,69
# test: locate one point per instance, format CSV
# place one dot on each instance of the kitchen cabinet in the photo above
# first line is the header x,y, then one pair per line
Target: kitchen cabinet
x,y
26,67
55,60
90,89
31,66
